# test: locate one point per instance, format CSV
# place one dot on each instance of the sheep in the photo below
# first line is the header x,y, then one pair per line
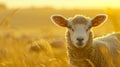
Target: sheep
x,y
83,50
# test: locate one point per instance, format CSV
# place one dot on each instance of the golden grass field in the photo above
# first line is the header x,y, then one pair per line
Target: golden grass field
x,y
28,38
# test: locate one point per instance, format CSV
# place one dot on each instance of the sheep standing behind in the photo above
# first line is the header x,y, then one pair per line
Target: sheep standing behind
x,y
83,50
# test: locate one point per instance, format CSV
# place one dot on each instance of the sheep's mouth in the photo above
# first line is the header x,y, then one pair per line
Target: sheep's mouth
x,y
79,43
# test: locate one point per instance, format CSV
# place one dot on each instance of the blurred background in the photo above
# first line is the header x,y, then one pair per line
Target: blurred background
x,y
28,38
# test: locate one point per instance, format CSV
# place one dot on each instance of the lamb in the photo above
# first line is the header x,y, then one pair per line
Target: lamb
x,y
83,50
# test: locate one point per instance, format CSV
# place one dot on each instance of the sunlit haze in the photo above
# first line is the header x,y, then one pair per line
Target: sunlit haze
x,y
62,3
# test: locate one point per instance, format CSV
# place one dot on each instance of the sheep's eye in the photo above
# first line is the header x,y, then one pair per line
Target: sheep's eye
x,y
71,28
88,28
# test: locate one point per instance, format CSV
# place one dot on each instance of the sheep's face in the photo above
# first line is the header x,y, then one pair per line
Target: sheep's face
x,y
79,27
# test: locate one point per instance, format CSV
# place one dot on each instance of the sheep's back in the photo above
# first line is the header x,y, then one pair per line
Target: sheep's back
x,y
109,47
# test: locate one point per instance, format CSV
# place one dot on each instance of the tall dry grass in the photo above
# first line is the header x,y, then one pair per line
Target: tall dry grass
x,y
28,51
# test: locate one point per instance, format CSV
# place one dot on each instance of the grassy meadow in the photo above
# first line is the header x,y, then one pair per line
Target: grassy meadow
x,y
28,38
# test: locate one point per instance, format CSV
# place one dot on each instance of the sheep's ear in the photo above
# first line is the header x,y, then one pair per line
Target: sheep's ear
x,y
97,20
59,20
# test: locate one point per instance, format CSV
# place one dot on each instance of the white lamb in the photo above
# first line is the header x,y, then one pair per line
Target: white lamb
x,y
83,50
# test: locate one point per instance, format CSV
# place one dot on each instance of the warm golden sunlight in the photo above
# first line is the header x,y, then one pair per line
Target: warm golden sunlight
x,y
33,33
63,3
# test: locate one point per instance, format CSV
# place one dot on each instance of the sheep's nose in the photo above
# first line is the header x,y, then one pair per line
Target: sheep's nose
x,y
80,39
